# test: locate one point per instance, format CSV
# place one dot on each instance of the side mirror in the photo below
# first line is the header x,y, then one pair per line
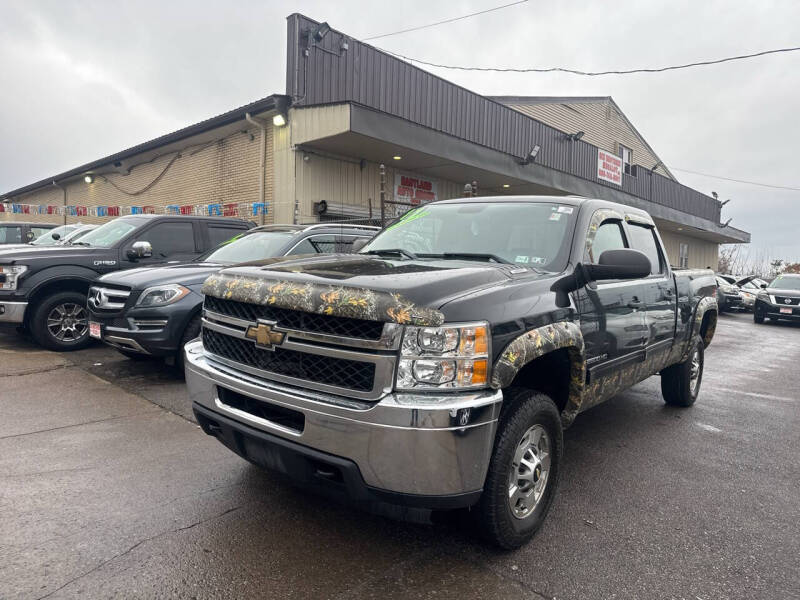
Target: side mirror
x,y
140,250
359,244
619,264
55,236
763,286
625,263
30,235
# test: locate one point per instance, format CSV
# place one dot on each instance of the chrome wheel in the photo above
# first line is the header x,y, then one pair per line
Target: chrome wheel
x,y
694,372
68,322
530,468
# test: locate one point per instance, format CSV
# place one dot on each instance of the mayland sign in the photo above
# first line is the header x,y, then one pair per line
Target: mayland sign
x,y
414,189
609,167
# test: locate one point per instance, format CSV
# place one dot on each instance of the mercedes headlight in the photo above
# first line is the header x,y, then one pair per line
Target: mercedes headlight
x,y
448,357
9,274
162,295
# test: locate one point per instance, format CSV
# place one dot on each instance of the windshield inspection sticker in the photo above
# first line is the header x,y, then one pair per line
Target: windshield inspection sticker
x,y
567,210
555,216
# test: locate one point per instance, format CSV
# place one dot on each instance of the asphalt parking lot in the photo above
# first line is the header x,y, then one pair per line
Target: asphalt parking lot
x,y
106,489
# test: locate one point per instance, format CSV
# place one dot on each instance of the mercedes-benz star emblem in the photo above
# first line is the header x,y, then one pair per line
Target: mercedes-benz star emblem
x,y
96,299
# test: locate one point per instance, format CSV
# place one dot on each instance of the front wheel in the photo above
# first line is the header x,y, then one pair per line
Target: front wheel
x,y
680,383
523,470
757,318
60,322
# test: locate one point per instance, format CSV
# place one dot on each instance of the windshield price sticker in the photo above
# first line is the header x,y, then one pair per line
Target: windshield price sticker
x,y
567,210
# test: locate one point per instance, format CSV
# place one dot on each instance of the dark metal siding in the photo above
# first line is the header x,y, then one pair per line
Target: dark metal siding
x,y
367,76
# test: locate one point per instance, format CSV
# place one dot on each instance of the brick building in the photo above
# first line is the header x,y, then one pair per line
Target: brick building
x,y
314,153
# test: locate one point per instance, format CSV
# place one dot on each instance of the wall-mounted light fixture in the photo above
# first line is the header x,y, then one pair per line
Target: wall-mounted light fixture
x,y
506,185
320,31
655,166
721,204
88,178
397,157
278,120
531,155
574,137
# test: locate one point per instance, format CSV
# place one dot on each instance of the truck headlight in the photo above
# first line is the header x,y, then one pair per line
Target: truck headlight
x,y
162,295
9,274
449,357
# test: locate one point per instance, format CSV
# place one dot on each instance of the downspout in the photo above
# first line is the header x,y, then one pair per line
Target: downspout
x,y
64,190
263,163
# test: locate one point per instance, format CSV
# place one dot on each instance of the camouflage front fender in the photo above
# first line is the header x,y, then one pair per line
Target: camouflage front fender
x,y
337,301
537,343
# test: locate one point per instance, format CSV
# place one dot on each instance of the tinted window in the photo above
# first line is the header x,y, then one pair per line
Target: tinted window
x,y
644,240
170,238
316,244
609,236
218,234
252,246
10,235
110,233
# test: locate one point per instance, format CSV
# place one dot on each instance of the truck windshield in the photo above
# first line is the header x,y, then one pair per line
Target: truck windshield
x,y
110,233
782,282
527,234
252,246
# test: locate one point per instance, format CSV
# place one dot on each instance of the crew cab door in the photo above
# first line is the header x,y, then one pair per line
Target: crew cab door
x,y
172,240
613,320
659,287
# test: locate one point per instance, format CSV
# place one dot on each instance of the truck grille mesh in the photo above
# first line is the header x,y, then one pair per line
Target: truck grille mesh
x,y
295,319
783,299
339,372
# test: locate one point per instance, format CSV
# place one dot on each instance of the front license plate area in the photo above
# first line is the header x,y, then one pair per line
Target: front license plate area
x,y
95,330
786,311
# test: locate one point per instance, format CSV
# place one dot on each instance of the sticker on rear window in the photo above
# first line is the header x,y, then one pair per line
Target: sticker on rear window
x,y
567,210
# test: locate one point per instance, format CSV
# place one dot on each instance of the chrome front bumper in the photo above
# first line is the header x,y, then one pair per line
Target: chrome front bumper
x,y
415,444
12,312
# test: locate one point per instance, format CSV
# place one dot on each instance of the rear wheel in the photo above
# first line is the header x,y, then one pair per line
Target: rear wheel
x,y
61,322
680,383
523,470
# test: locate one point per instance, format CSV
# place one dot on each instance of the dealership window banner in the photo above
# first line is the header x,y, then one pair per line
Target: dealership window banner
x,y
414,189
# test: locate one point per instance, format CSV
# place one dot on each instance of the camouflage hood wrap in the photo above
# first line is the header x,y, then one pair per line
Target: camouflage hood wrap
x,y
337,301
538,342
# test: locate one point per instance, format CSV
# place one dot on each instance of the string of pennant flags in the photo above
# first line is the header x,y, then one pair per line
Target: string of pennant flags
x,y
230,209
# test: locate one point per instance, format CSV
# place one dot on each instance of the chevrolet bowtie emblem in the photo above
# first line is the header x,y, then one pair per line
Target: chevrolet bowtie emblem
x,y
264,335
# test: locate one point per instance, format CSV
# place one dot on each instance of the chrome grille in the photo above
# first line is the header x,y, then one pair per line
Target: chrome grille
x,y
347,366
343,373
298,320
783,300
107,299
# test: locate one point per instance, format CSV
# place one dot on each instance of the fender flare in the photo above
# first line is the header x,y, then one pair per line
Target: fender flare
x,y
56,273
706,304
538,342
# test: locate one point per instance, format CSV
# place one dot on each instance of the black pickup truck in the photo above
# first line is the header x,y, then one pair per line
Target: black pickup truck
x,y
44,288
438,367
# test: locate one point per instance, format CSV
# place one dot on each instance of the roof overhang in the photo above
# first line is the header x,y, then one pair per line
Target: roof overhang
x,y
196,134
370,134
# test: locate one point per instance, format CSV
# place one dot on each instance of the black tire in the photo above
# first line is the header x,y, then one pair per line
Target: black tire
x,y
496,520
63,314
678,385
192,331
757,318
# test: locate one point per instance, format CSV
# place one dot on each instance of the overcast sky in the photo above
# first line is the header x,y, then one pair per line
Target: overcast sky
x,y
84,79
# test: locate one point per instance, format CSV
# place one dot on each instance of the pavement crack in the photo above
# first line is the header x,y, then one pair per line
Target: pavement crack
x,y
37,371
17,435
136,545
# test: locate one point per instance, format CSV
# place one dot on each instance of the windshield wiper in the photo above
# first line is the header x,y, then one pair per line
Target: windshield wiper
x,y
468,256
400,251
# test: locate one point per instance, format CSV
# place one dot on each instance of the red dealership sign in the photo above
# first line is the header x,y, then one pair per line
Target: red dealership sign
x,y
414,189
609,167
